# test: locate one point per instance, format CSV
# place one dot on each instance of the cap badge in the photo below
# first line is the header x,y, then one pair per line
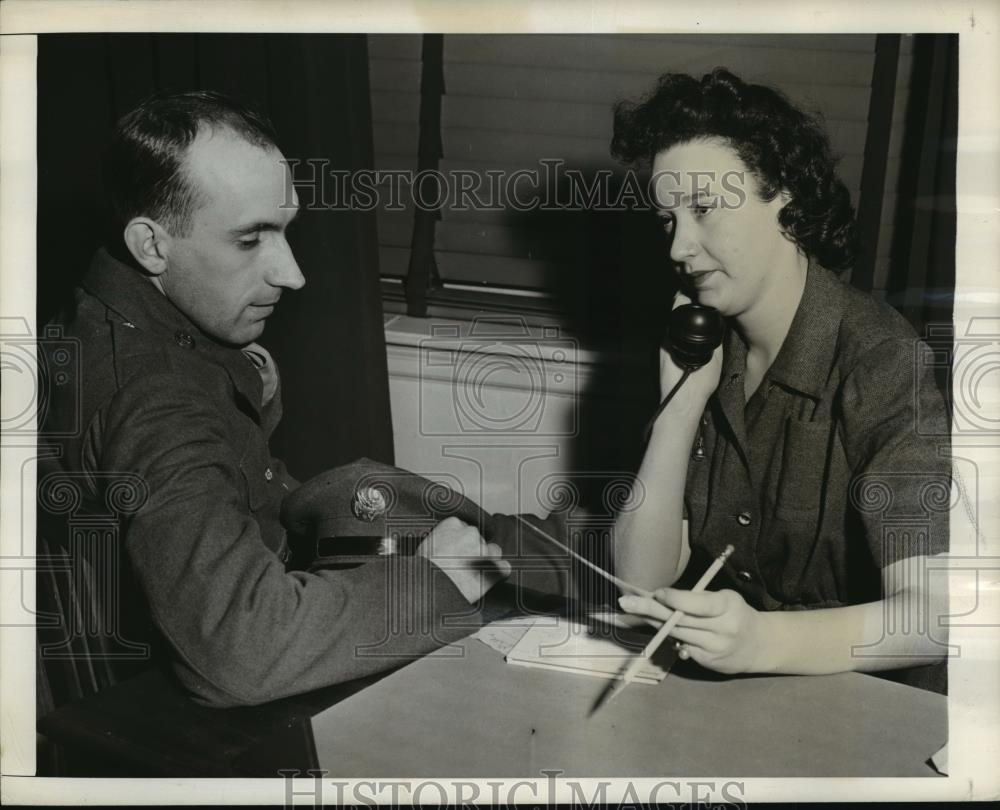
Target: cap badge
x,y
368,504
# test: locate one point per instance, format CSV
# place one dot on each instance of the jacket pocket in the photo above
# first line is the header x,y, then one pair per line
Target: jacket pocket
x,y
799,492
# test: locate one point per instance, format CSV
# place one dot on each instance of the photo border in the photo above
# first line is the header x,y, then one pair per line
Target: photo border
x,y
974,744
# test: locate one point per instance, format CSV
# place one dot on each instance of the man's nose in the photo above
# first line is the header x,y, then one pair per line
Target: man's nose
x,y
285,272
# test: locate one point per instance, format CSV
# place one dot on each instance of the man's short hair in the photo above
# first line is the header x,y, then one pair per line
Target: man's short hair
x,y
146,175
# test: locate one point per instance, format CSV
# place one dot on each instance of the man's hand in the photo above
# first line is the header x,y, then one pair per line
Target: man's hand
x,y
719,629
470,562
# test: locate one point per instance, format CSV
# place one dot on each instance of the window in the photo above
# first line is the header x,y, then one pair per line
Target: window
x,y
525,119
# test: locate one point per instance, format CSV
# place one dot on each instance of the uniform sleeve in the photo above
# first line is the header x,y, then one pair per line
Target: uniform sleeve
x,y
242,629
897,440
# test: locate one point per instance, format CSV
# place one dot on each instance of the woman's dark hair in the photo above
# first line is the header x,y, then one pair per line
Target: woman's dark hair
x,y
145,167
784,148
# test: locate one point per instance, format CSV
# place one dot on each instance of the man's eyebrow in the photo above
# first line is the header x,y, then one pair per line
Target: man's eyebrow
x,y
263,226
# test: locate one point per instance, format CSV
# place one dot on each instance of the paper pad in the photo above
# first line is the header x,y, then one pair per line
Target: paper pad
x,y
598,647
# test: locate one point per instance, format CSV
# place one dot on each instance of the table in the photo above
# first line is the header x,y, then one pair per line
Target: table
x,y
477,717
464,712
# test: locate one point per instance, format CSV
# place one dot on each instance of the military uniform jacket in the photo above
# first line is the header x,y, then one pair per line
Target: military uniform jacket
x,y
838,464
180,418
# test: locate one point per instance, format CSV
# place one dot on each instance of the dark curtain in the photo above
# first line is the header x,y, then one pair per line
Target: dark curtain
x,y
922,275
328,338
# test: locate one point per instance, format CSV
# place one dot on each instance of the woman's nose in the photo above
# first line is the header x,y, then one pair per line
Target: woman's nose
x,y
684,244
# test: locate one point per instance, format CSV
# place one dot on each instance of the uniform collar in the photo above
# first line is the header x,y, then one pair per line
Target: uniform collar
x,y
128,293
806,355
141,306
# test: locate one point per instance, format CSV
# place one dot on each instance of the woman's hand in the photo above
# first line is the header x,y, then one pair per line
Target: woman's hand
x,y
719,629
700,384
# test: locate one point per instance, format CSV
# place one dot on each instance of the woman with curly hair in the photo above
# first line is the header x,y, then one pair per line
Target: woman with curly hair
x,y
797,443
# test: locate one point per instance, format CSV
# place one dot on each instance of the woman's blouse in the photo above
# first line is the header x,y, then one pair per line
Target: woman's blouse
x,y
836,467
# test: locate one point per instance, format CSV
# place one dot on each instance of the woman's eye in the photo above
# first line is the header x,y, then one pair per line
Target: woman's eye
x,y
667,225
701,209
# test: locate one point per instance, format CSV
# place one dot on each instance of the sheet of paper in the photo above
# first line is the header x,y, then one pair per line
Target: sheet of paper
x,y
940,760
600,645
502,635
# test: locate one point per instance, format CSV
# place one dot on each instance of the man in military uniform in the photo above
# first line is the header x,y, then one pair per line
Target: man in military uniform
x,y
177,395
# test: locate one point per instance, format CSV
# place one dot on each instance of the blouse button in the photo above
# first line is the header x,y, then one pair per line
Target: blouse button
x,y
268,475
745,576
744,519
183,339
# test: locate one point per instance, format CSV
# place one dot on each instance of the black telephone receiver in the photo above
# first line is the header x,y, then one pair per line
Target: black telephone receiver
x,y
694,332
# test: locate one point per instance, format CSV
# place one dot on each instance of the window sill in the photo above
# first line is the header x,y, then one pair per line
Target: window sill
x,y
498,333
464,313
466,304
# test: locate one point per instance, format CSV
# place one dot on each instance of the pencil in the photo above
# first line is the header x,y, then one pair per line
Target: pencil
x,y
621,583
671,623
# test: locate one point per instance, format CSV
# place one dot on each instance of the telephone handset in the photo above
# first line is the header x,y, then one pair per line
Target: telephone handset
x,y
694,332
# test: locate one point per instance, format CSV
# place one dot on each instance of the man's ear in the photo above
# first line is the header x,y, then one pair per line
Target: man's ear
x,y
148,243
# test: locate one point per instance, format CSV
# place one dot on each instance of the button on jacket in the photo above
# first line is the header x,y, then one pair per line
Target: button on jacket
x,y
823,478
163,404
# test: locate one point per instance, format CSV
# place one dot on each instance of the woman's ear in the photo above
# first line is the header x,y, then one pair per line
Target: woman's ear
x,y
148,243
